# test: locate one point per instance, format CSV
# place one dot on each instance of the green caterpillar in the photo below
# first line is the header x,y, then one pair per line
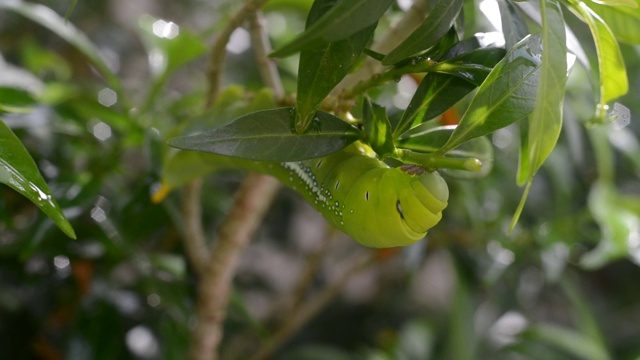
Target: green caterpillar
x,y
378,206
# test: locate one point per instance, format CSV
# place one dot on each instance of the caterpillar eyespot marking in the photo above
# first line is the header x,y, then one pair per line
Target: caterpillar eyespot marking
x,y
399,208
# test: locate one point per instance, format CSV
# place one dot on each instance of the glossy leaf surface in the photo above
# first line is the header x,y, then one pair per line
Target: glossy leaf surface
x,y
322,67
344,19
19,171
624,21
545,122
506,96
613,74
267,136
434,27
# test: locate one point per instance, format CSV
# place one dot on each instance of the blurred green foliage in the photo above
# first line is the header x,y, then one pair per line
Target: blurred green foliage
x,y
93,100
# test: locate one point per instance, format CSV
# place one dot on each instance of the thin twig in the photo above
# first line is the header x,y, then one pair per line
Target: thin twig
x,y
219,48
262,48
252,201
194,238
306,312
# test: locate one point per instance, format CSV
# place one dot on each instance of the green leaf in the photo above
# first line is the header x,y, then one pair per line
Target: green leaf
x,y
506,96
545,122
267,136
613,74
624,21
57,24
514,28
435,94
630,3
435,26
342,20
323,67
19,171
377,128
438,92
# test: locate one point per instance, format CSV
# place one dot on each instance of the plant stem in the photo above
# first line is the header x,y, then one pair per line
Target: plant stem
x,y
433,161
262,48
394,73
253,198
219,48
252,201
194,237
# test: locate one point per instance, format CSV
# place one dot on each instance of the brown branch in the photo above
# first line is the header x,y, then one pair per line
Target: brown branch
x,y
194,238
251,203
219,48
262,48
296,320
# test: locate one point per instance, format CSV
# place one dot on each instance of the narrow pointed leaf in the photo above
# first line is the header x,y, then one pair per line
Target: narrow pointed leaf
x,y
435,94
613,74
19,171
506,96
624,21
545,122
434,27
438,92
344,19
323,67
266,135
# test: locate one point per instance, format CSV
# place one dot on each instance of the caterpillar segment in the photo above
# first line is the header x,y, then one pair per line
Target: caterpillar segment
x,y
378,206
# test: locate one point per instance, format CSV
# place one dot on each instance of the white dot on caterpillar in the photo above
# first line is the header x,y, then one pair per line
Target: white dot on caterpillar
x,y
342,223
337,204
351,211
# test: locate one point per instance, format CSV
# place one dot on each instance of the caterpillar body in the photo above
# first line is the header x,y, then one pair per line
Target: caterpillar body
x,y
377,205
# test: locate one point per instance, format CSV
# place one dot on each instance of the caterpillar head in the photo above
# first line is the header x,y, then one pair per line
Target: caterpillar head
x,y
394,208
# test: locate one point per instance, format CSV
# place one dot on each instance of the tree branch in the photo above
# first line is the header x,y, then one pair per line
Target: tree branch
x,y
219,48
251,203
262,48
253,198
194,238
